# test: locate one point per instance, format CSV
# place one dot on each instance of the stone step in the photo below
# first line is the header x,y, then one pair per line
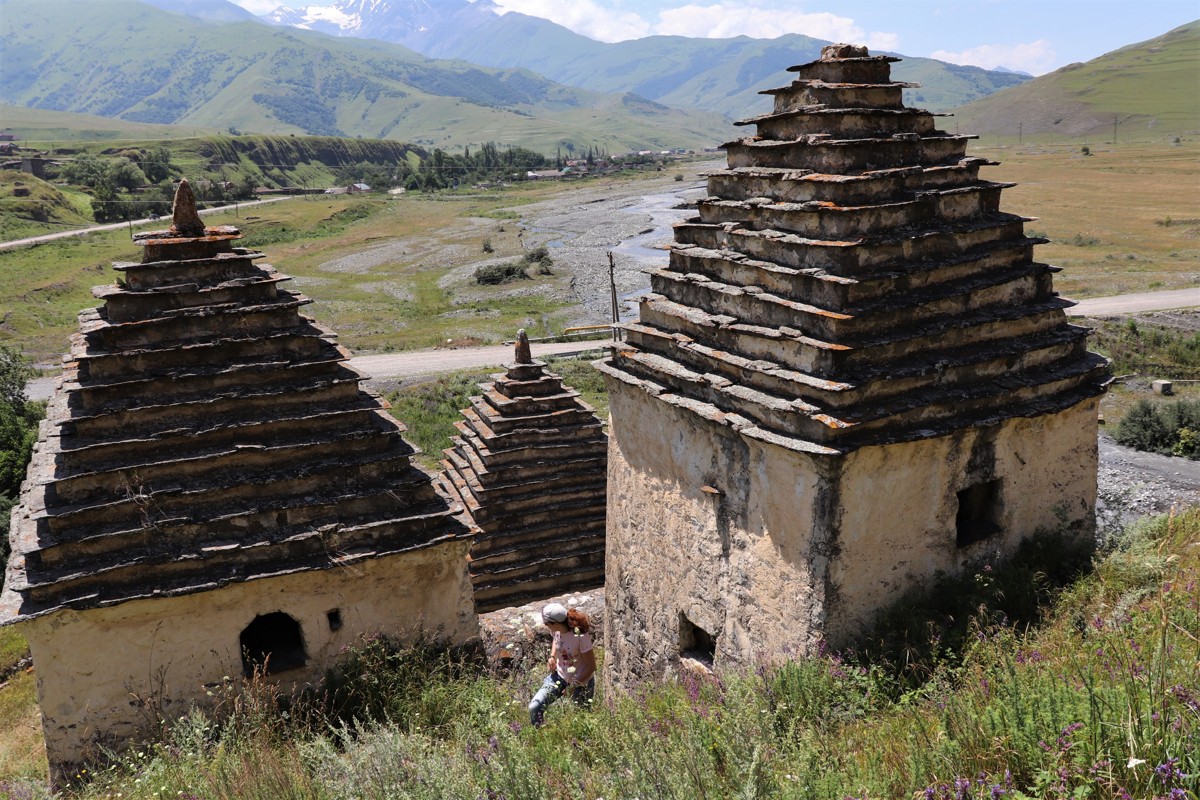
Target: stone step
x,y
211,565
841,123
302,344
508,541
194,324
206,434
524,554
340,504
911,412
944,369
802,94
838,291
488,504
231,404
548,385
562,431
859,257
873,186
225,493
163,536
208,270
223,458
125,305
490,488
194,383
848,156
580,414
547,452
1023,284
931,210
377,458
525,406
865,70
548,579
792,349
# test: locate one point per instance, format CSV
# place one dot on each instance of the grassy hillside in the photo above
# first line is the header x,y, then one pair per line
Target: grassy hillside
x,y
30,206
1151,89
1046,679
126,60
720,75
36,127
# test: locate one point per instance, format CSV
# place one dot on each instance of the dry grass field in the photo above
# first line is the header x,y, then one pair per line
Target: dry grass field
x,y
1124,219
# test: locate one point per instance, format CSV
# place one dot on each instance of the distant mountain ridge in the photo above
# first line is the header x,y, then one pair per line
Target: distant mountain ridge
x,y
125,59
1149,89
720,75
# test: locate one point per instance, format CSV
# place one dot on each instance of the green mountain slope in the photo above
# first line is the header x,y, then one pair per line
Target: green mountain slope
x,y
127,60
1152,89
39,128
720,75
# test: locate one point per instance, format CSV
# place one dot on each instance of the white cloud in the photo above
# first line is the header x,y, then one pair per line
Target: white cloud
x,y
734,18
1036,58
583,16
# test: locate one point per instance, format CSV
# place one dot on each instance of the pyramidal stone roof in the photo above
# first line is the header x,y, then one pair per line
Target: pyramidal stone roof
x,y
530,465
206,432
851,280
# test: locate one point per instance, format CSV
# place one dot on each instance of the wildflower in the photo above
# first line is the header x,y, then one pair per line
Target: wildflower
x,y
1168,773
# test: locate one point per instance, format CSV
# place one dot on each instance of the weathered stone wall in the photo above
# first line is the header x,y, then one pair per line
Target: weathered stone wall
x,y
737,564
897,506
798,548
105,675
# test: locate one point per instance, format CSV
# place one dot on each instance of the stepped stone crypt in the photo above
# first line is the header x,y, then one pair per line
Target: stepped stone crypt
x,y
530,466
212,493
851,377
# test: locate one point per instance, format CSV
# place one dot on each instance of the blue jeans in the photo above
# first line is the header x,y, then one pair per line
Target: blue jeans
x,y
553,688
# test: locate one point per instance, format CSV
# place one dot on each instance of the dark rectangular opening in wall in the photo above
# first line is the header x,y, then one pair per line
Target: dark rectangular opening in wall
x,y
695,642
978,513
335,619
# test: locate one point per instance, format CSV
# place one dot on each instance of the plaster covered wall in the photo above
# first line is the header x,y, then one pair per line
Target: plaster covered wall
x,y
127,666
737,562
798,547
898,503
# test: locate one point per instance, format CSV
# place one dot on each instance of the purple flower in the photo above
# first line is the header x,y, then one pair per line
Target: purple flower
x,y
1168,773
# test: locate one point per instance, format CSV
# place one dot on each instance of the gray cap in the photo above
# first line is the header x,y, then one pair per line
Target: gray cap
x,y
554,612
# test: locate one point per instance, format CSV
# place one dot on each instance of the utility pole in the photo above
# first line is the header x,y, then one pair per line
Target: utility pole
x,y
612,285
1020,131
1115,118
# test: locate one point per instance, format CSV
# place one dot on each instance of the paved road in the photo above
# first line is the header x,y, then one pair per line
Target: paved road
x,y
50,237
412,362
1134,303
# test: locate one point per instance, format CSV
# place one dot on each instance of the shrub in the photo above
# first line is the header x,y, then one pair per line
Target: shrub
x,y
679,177
495,274
1169,428
487,246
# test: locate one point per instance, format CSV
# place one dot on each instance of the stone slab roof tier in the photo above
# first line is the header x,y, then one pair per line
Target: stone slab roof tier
x,y
529,466
851,280
205,432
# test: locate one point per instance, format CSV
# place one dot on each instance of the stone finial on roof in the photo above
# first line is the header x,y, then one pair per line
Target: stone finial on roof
x,y
842,50
185,219
523,354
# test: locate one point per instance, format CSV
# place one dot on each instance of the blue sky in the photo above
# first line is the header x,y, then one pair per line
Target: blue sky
x,y
1035,36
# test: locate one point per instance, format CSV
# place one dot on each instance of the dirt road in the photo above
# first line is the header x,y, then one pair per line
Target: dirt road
x,y
1135,303
137,223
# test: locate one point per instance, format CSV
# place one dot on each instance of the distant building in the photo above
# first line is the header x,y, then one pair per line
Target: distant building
x,y
35,166
358,188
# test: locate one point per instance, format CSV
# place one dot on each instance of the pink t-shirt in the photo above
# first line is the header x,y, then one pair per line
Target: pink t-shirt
x,y
569,647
